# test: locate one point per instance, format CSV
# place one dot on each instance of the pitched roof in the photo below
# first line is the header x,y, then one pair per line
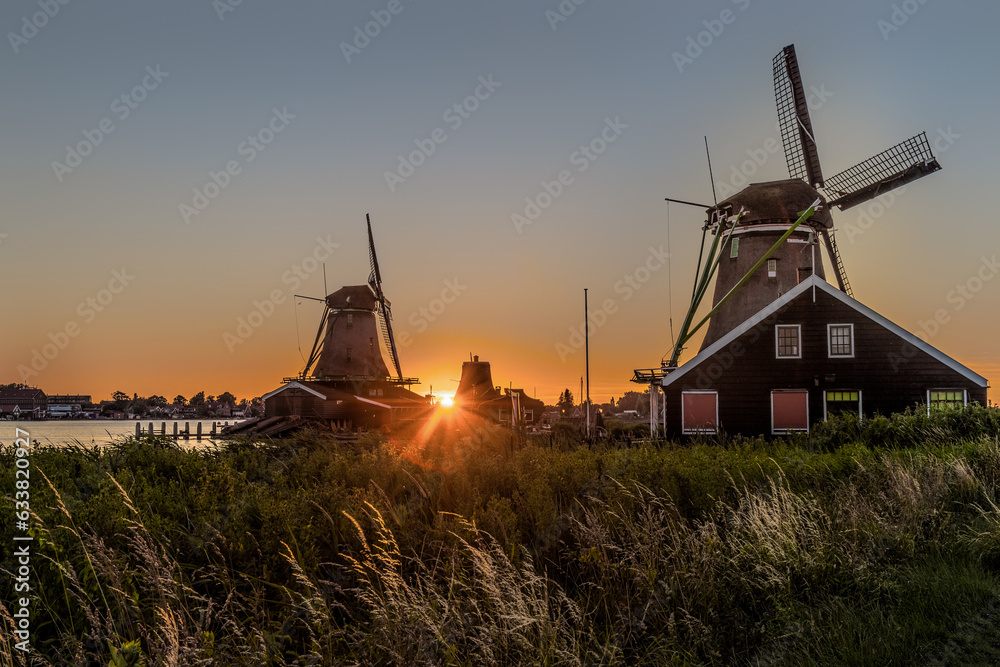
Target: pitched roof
x,y
787,297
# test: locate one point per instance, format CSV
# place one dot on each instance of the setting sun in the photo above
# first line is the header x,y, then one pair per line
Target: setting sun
x,y
447,402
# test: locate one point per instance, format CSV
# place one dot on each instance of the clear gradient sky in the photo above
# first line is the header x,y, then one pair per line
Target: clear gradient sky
x,y
200,79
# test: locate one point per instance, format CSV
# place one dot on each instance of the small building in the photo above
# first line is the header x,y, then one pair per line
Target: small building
x,y
810,353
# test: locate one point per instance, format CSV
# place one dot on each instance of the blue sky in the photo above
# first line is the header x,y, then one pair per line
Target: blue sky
x,y
885,71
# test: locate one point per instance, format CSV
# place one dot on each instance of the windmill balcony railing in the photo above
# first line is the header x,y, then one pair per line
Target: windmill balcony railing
x,y
403,381
651,375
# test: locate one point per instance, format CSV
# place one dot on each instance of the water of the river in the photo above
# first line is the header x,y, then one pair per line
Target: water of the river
x,y
94,432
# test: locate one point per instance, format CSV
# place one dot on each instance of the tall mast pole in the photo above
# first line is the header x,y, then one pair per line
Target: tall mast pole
x,y
586,326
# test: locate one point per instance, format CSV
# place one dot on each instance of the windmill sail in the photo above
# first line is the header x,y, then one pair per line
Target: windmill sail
x,y
838,264
892,168
317,348
793,120
384,311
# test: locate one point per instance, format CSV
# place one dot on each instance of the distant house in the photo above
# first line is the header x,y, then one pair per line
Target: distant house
x,y
811,353
242,412
514,407
23,402
68,405
221,409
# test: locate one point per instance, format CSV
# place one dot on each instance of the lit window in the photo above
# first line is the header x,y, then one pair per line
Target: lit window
x,y
842,401
787,341
840,339
772,268
734,248
945,399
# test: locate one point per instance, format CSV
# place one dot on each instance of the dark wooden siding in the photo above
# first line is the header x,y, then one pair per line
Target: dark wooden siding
x,y
890,373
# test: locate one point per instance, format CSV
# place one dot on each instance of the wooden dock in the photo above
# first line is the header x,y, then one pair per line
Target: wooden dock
x,y
179,434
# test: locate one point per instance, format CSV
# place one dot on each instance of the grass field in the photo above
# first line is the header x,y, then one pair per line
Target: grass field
x,y
860,544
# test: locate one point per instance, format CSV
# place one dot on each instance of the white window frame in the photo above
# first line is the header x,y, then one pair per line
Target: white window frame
x,y
694,431
965,397
772,268
798,331
775,431
861,411
829,341
734,248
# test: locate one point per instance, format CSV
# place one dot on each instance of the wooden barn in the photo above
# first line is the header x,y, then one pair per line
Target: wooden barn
x,y
346,405
812,352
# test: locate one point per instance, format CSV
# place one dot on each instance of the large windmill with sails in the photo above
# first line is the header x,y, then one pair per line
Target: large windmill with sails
x,y
769,362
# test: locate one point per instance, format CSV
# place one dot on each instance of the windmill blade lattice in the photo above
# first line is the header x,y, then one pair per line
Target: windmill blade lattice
x,y
384,312
793,120
892,168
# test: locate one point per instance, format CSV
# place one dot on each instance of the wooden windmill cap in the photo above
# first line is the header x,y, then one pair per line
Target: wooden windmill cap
x,y
776,202
361,297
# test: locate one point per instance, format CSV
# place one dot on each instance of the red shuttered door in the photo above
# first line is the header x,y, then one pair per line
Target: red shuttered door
x,y
789,411
700,411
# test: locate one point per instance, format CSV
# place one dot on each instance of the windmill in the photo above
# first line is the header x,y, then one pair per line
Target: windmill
x,y
776,224
355,318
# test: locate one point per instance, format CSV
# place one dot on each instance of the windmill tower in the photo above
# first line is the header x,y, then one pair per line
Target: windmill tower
x,y
769,210
358,325
476,385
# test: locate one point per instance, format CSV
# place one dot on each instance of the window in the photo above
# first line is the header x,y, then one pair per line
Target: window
x,y
772,268
835,402
840,340
350,320
789,410
699,411
787,343
945,399
734,248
